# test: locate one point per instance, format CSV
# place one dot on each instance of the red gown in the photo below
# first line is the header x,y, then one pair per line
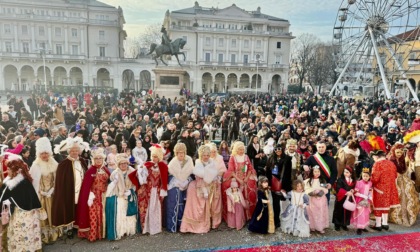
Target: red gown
x,y
249,189
385,193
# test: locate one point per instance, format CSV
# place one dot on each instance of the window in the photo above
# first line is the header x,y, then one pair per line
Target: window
x,y
245,59
7,29
8,46
278,59
412,56
42,45
25,47
220,58
74,33
59,49
102,35
233,58
258,43
246,43
233,42
102,51
220,41
24,30
41,31
207,57
58,31
207,41
279,45
75,49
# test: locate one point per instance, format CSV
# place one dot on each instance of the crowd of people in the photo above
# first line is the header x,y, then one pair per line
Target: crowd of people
x,y
105,167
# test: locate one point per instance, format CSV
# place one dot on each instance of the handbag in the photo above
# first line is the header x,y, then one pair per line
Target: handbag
x,y
132,205
5,214
348,205
276,183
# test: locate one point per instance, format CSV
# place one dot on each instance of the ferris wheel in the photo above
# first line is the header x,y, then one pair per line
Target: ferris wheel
x,y
373,41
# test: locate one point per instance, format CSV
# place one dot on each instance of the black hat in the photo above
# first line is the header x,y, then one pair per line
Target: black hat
x,y
377,153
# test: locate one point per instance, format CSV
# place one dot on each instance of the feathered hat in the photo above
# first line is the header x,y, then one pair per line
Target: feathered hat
x,y
413,134
43,145
65,145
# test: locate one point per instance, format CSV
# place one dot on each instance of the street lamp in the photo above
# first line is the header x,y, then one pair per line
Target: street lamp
x,y
257,60
43,52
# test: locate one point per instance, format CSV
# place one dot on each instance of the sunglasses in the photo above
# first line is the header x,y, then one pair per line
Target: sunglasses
x,y
278,149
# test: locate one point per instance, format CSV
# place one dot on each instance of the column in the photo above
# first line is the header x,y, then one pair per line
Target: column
x,y
250,82
214,48
66,40
240,51
226,83
16,43
200,48
50,36
252,49
19,86
33,37
227,59
265,48
82,41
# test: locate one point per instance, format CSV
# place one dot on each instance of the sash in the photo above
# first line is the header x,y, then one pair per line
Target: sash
x,y
324,166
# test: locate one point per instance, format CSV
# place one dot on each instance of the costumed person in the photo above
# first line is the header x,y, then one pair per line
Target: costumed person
x,y
385,193
241,169
297,160
372,142
413,137
203,207
43,173
153,189
68,181
345,187
295,219
121,208
363,197
91,206
279,173
327,164
262,220
20,198
347,156
406,213
180,169
318,211
236,205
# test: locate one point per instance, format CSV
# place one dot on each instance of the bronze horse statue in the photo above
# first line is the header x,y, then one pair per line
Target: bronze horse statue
x,y
161,50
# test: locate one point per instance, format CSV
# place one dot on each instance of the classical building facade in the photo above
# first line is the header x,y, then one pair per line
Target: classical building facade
x,y
232,49
66,43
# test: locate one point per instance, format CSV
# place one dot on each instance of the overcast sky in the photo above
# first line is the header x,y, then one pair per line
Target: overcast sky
x,y
305,16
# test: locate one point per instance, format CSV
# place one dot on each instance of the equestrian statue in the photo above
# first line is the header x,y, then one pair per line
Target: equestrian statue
x,y
167,47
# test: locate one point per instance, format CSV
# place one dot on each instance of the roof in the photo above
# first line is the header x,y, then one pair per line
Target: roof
x,y
196,9
410,35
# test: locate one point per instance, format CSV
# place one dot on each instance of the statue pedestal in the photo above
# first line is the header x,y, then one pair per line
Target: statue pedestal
x,y
168,81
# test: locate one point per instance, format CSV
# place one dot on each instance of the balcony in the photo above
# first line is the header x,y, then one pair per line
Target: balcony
x,y
102,59
413,62
36,56
279,66
31,16
226,30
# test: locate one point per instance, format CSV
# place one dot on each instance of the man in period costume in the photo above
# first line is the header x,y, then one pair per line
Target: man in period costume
x,y
69,177
291,147
385,194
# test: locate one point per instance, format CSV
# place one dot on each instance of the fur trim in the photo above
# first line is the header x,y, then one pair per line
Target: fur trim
x,y
12,183
181,173
208,172
355,153
46,167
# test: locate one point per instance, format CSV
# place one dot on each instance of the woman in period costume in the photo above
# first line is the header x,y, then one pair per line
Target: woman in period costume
x,y
24,229
180,169
201,195
406,214
153,188
68,181
240,168
43,172
91,207
121,201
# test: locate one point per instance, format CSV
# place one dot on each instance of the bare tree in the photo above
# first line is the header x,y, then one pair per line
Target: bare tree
x,y
139,44
322,71
304,55
128,78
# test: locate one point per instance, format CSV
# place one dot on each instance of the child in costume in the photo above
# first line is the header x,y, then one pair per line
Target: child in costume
x,y
345,186
363,196
262,220
295,219
236,204
315,188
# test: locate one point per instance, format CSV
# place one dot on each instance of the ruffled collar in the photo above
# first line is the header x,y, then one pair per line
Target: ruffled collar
x,y
13,182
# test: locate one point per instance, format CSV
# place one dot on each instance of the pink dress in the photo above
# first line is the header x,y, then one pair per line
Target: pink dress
x,y
318,206
249,188
360,216
236,205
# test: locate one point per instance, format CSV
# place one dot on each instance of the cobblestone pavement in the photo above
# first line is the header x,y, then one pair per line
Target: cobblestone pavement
x,y
223,237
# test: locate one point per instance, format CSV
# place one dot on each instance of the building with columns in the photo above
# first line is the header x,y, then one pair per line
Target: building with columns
x,y
66,43
231,49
